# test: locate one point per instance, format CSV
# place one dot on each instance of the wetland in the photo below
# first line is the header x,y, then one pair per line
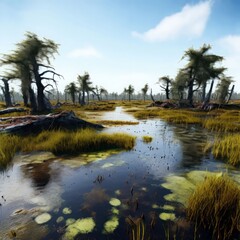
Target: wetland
x,y
137,193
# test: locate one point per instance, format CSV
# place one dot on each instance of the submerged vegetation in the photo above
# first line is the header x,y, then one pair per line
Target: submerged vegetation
x,y
215,205
62,142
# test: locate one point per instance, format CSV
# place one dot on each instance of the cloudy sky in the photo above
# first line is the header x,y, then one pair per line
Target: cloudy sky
x,y
122,42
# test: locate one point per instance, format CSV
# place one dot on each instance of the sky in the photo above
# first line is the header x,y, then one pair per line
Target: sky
x,y
122,42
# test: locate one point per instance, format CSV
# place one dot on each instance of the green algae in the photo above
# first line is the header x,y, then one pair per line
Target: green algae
x,y
80,226
115,211
111,225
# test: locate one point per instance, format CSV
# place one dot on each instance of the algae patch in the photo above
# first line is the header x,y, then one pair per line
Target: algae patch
x,y
111,225
80,226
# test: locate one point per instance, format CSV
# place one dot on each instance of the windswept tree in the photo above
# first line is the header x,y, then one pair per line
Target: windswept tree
x,y
165,83
144,91
103,91
72,89
129,91
34,54
85,86
201,68
179,85
222,89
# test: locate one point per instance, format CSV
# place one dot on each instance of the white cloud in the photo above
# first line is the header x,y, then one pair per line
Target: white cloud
x,y
85,52
232,43
189,22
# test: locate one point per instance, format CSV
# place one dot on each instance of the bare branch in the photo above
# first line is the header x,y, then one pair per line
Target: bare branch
x,y
48,86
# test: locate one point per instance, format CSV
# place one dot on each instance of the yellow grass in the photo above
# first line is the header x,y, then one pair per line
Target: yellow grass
x,y
61,142
228,147
215,205
147,139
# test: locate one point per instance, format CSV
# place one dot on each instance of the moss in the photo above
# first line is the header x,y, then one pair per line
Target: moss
x,y
215,205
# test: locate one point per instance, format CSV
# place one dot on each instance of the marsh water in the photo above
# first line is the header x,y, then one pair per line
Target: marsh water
x,y
106,188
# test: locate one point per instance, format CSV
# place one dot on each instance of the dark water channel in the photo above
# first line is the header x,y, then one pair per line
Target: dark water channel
x,y
90,196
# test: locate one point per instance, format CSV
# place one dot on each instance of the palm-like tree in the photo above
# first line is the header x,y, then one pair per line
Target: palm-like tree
x,y
201,68
129,91
144,91
72,89
84,86
165,83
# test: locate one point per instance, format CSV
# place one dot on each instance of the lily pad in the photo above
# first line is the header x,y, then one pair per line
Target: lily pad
x,y
115,202
59,219
43,218
115,211
167,216
67,210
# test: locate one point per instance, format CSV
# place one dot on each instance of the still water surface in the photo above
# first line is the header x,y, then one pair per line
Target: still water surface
x,y
69,188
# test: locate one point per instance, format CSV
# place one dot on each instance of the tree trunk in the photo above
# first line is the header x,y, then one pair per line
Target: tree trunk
x,y
231,92
204,91
6,93
167,92
208,97
25,99
32,98
41,107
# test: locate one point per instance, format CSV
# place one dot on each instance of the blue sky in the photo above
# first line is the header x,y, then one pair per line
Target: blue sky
x,y
122,42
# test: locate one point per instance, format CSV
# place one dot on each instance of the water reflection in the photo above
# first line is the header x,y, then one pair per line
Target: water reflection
x,y
86,184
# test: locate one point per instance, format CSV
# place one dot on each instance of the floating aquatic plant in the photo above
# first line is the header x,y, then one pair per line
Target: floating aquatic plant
x,y
115,202
111,224
67,210
60,219
43,218
167,216
80,226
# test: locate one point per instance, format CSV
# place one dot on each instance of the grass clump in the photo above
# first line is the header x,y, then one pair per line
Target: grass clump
x,y
215,205
228,147
9,145
62,142
147,139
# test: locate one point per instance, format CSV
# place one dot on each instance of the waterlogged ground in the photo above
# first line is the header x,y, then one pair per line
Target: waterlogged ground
x,y
104,195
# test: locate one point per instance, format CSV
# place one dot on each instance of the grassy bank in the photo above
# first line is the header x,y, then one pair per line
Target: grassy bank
x,y
215,205
62,142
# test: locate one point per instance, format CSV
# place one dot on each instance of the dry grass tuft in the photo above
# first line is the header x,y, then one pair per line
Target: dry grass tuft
x,y
147,139
215,205
228,147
